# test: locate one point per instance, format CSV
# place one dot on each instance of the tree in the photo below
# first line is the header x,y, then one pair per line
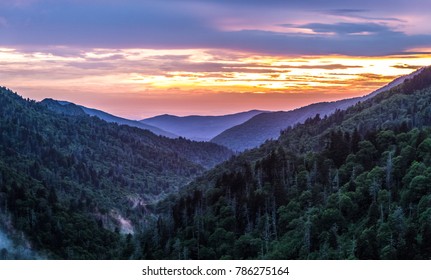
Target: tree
x,y
424,151
366,153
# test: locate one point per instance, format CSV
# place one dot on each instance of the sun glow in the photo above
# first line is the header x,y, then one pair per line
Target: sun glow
x,y
146,73
265,74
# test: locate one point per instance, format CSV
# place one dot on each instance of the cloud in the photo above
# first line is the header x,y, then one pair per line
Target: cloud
x,y
145,81
94,24
187,66
326,66
298,3
192,24
374,44
375,77
358,14
406,66
347,28
347,11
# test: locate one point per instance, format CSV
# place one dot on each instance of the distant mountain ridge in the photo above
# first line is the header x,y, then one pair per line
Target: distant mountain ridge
x,y
72,109
265,126
200,128
238,132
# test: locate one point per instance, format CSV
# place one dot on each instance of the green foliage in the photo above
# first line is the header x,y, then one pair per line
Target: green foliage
x,y
354,185
293,213
71,183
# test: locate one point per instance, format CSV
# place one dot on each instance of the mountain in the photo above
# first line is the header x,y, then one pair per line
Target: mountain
x,y
265,126
262,127
353,185
68,108
72,185
394,83
62,107
200,128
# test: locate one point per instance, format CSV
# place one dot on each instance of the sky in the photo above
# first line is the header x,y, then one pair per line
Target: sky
x,y
140,58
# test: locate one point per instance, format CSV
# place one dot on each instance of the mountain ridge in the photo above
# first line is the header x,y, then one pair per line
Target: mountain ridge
x,y
260,128
70,108
201,128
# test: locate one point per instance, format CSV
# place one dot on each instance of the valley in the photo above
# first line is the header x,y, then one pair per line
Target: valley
x,y
351,183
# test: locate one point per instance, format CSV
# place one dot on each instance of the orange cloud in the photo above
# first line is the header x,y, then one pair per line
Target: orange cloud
x,y
137,83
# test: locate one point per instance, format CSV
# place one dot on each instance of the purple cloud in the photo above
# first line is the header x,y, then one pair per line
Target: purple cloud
x,y
169,24
347,28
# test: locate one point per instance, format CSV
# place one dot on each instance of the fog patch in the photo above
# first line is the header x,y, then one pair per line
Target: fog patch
x,y
11,250
13,243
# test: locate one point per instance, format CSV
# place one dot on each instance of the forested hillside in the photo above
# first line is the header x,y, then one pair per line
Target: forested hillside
x,y
68,108
71,184
267,126
354,185
202,128
257,130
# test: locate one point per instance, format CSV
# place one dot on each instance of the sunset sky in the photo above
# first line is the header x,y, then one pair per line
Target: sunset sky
x,y
140,58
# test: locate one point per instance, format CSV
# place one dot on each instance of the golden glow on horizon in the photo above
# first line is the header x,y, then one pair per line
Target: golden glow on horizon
x,y
284,73
151,73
